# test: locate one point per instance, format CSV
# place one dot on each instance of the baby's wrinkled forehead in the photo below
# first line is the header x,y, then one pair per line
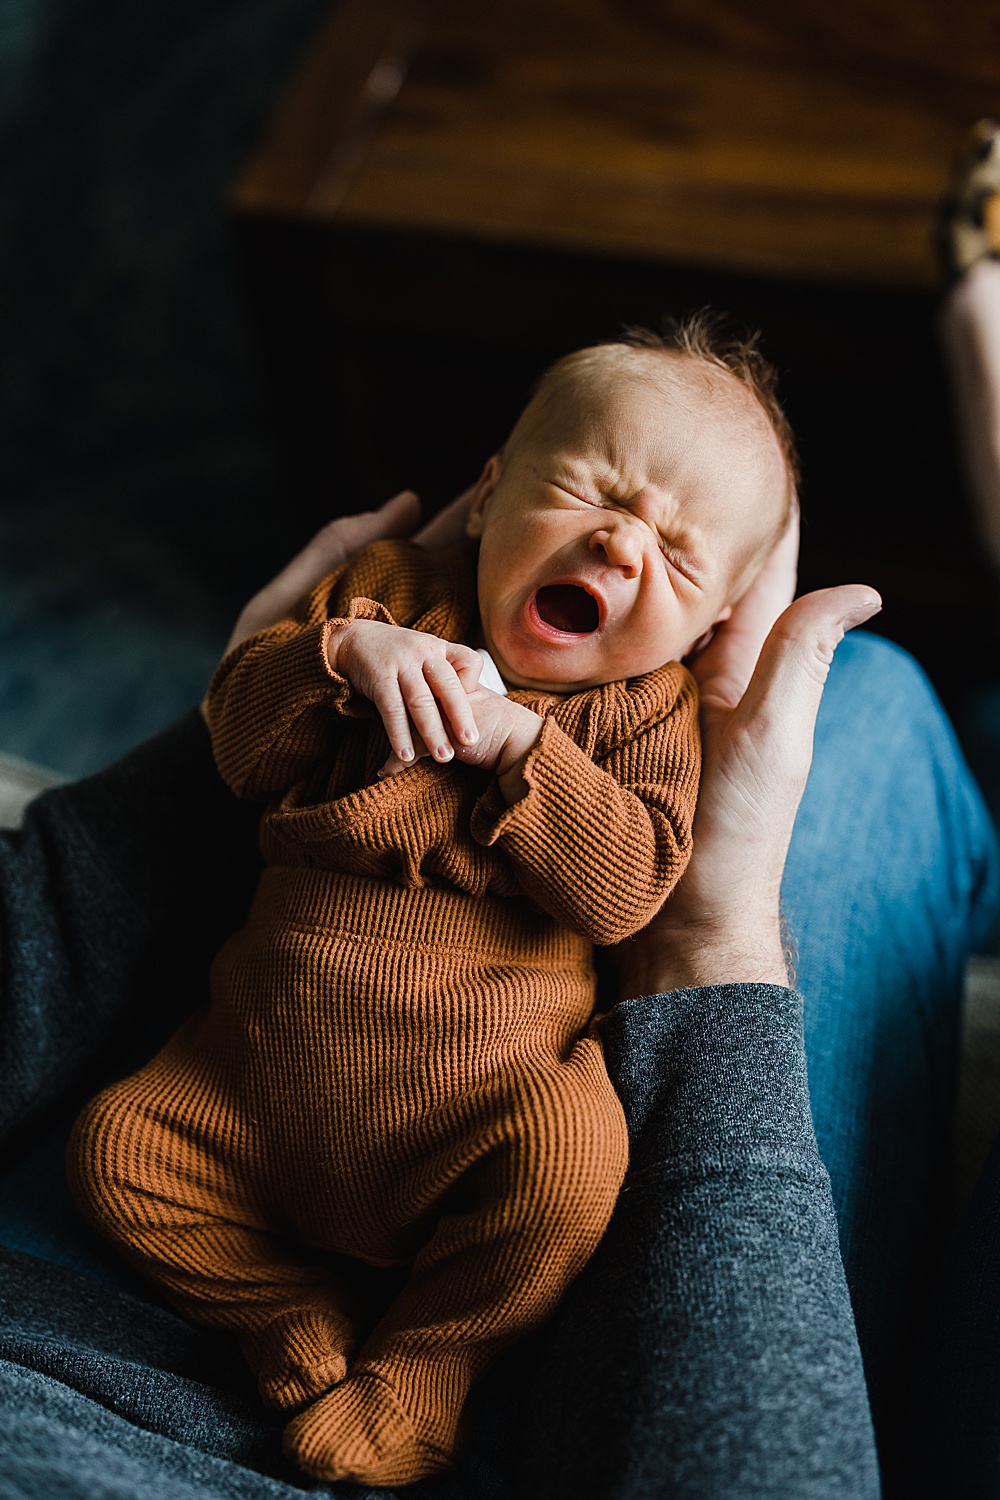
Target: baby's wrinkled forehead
x,y
661,414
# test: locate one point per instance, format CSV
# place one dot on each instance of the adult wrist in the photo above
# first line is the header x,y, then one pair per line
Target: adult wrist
x,y
674,954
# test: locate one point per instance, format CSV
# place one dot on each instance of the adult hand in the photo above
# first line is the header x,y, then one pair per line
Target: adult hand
x,y
761,679
448,526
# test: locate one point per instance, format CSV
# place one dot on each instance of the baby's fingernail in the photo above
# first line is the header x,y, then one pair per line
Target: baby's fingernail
x,y
470,736
444,752
406,754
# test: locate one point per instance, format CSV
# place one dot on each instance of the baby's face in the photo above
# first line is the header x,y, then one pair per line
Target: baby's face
x,y
619,526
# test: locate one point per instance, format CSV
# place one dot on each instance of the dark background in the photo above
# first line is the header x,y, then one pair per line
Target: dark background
x,y
163,449
135,483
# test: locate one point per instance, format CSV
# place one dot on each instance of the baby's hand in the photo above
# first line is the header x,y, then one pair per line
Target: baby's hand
x,y
412,679
507,732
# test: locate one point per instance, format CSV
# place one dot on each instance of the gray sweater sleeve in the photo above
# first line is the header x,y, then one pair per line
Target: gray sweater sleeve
x,y
708,1350
113,895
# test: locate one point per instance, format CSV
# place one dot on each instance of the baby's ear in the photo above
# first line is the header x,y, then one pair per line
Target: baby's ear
x,y
703,640
482,495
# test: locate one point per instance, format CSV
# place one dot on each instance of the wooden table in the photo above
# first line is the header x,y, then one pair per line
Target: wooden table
x,y
453,193
788,137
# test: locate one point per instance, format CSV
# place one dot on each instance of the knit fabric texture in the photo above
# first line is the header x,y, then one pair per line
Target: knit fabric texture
x,y
397,1066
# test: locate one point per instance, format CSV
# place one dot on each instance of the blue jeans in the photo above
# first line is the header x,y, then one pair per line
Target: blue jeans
x,y
891,880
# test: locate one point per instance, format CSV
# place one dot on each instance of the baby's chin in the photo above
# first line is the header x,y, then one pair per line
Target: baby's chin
x,y
561,676
566,677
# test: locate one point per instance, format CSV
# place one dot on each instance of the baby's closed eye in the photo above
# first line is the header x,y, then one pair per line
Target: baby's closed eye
x,y
680,563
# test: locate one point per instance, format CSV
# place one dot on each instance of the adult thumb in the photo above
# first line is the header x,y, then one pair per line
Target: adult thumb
x,y
782,700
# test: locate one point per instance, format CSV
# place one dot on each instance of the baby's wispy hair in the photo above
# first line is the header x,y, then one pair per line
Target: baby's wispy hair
x,y
713,339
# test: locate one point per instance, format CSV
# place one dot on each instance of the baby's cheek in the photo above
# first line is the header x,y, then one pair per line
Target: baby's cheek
x,y
664,633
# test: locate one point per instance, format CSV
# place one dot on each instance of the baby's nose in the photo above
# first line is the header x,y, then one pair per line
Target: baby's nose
x,y
622,546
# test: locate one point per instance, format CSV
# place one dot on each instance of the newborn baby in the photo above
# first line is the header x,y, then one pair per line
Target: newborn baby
x,y
398,1066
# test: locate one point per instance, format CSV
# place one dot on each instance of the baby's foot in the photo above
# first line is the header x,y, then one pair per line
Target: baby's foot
x,y
361,1432
300,1354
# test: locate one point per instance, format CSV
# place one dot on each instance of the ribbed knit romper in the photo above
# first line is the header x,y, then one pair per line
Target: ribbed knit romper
x,y
396,1066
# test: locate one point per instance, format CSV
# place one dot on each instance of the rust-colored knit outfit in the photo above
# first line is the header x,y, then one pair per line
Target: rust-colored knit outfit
x,y
396,1066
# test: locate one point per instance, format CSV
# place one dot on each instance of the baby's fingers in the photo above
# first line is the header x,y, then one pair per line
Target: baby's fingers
x,y
394,765
468,665
453,697
388,699
422,707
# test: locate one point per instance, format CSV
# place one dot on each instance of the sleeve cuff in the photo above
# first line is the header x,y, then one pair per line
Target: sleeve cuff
x,y
343,698
553,765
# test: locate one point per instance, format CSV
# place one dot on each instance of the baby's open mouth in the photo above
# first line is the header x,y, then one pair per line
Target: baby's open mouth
x,y
568,607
